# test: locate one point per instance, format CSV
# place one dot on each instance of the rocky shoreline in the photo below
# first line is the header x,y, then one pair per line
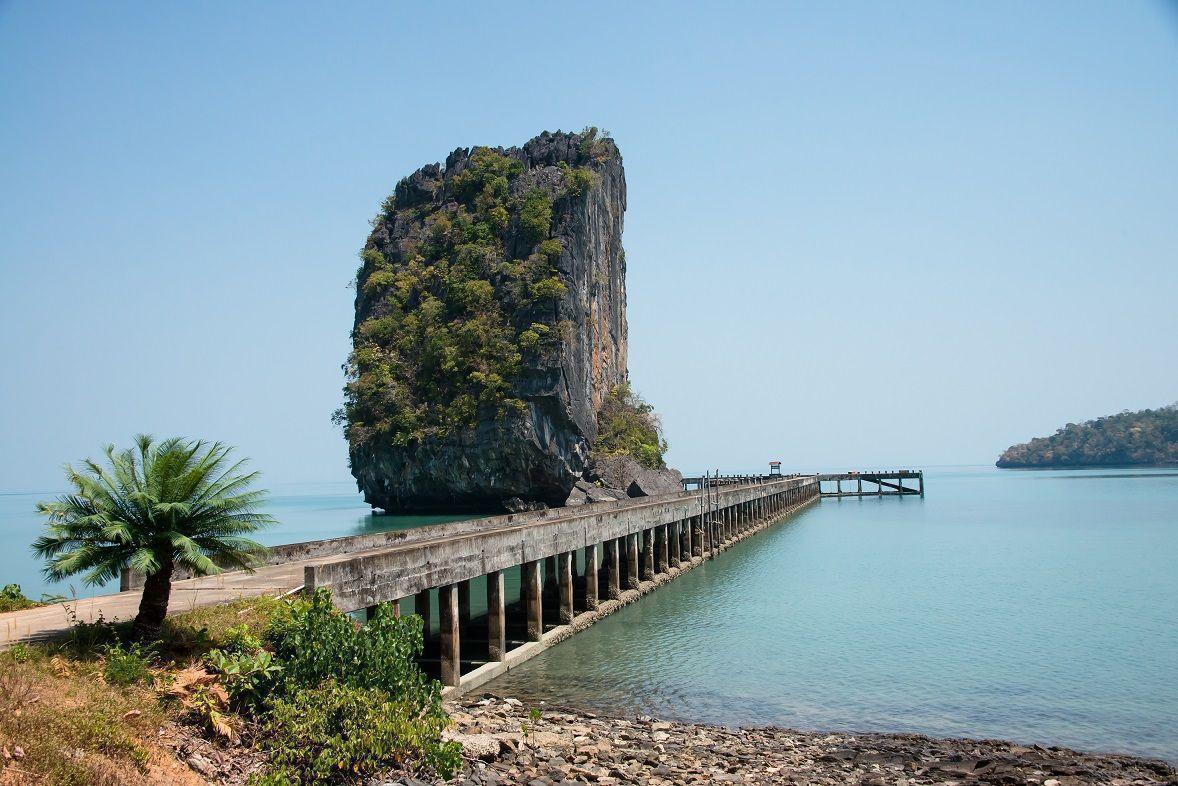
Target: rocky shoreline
x,y
507,742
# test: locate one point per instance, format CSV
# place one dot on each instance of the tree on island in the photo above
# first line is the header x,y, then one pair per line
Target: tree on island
x,y
1145,438
153,508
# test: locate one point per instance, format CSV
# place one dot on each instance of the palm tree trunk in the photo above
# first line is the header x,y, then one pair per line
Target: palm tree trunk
x,y
153,607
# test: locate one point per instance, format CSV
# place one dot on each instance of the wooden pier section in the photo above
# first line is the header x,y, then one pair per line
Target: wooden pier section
x,y
886,483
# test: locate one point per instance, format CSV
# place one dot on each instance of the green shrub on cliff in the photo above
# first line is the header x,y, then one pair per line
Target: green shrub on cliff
x,y
627,425
445,310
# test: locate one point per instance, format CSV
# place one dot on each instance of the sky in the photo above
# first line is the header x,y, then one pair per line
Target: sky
x,y
858,234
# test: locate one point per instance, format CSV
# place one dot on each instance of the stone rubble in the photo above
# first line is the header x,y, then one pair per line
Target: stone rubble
x,y
503,743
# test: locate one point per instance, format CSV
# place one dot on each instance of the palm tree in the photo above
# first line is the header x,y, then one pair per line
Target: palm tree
x,y
154,508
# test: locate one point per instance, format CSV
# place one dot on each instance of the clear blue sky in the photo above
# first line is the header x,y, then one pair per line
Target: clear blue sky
x,y
859,234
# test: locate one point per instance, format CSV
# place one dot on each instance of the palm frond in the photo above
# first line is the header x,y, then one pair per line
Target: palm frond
x,y
174,502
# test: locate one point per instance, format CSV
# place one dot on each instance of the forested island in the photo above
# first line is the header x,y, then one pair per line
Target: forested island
x,y
1145,438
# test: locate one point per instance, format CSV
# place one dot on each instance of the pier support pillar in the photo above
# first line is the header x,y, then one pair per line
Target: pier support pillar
x,y
564,567
450,641
592,560
662,560
496,617
673,546
648,554
421,608
632,561
532,593
613,569
697,536
464,605
550,578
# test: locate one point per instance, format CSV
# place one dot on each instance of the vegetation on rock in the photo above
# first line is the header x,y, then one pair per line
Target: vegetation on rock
x,y
153,508
627,425
448,315
1148,437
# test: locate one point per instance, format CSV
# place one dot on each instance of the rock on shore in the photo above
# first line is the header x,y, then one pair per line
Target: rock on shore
x,y
503,743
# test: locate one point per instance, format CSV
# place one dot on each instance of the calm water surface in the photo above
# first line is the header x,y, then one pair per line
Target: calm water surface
x,y
1038,606
306,511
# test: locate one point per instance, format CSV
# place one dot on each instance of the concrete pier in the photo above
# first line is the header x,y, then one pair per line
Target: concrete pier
x,y
638,544
895,482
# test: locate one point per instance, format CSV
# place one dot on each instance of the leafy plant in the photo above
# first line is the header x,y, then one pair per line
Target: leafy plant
x,y
127,664
207,704
535,217
248,676
12,599
153,508
351,701
315,643
627,425
240,638
344,733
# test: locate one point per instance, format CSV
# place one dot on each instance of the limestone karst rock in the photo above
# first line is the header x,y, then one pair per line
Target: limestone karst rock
x,y
490,326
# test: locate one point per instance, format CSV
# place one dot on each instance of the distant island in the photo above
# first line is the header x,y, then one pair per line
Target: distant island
x,y
1145,438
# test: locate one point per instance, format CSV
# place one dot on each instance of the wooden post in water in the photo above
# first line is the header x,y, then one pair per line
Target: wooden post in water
x,y
612,569
592,560
550,577
464,605
648,554
632,561
421,608
451,643
564,568
496,617
533,599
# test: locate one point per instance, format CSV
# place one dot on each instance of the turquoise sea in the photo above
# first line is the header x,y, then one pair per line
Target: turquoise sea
x,y
1040,606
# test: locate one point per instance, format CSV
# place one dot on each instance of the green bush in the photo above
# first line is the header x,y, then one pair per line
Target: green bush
x,y
551,248
548,289
627,425
128,664
315,642
577,180
535,217
248,676
350,701
12,599
344,733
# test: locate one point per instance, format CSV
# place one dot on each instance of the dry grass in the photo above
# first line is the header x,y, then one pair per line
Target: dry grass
x,y
61,723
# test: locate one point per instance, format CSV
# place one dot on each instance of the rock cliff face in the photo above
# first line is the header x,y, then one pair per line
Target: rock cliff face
x,y
490,326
